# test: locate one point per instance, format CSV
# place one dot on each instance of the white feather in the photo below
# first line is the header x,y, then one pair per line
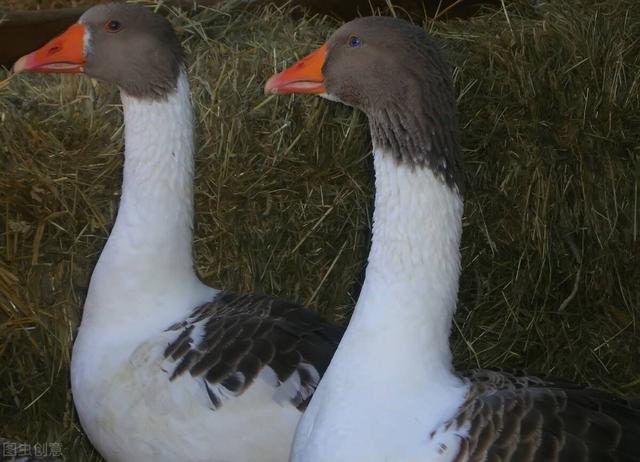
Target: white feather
x,y
394,360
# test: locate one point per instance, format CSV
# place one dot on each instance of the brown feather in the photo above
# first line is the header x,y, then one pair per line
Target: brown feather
x,y
242,334
519,418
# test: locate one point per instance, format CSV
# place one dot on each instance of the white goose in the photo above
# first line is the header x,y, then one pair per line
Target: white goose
x,y
165,368
390,392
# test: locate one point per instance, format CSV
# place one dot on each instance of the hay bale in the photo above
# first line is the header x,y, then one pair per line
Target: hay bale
x,y
549,104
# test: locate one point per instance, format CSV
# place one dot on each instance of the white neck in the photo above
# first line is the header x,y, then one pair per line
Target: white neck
x,y
410,290
395,356
401,323
148,257
155,218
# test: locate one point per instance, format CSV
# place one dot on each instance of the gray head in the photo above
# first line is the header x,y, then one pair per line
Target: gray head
x,y
395,73
125,44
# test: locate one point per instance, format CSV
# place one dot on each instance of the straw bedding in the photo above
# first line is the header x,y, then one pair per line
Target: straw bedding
x,y
549,100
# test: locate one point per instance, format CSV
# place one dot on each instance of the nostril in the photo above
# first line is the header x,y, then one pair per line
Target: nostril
x,y
54,49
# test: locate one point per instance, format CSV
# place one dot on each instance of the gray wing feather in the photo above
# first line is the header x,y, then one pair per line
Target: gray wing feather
x,y
518,418
230,340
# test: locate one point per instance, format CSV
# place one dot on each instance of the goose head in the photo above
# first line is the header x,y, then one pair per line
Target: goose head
x,y
124,44
365,63
396,74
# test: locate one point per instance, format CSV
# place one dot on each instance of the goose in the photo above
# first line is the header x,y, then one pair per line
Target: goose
x,y
163,367
391,392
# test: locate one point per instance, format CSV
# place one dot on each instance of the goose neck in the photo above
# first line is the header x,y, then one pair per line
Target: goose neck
x,y
150,245
410,290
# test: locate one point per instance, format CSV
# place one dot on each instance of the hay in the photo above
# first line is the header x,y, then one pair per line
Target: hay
x,y
28,5
549,104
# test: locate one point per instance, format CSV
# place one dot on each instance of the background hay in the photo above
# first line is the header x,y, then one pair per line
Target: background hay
x,y
549,104
26,5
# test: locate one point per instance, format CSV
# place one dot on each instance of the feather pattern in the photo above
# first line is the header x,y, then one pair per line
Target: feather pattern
x,y
231,340
511,416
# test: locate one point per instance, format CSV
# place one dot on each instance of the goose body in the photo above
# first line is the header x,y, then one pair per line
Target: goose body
x,y
165,368
390,392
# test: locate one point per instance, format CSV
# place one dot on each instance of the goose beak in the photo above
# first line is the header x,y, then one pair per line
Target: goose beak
x,y
305,76
63,54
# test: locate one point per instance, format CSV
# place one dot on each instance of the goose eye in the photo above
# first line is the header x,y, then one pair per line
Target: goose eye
x,y
354,42
112,26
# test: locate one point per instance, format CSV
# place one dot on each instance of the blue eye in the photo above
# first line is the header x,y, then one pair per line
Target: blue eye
x,y
354,42
112,26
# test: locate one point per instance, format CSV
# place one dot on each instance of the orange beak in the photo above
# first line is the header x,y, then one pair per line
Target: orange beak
x,y
305,76
64,54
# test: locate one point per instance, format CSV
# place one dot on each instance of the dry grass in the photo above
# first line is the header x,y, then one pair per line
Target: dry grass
x,y
549,102
22,5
